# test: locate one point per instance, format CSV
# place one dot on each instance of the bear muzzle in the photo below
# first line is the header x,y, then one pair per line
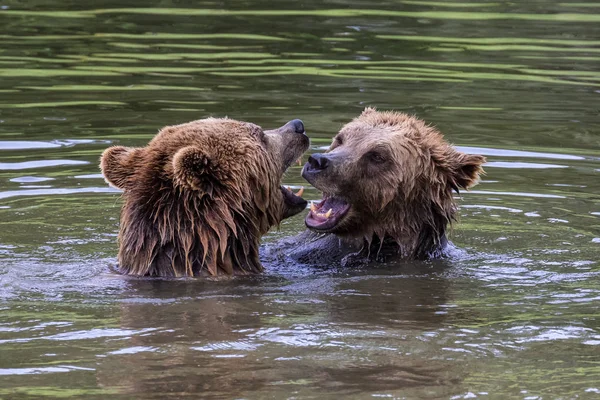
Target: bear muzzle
x,y
291,142
318,167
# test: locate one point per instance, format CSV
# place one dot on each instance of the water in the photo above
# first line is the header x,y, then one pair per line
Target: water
x,y
513,314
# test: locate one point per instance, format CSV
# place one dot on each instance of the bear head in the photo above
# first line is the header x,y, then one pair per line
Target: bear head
x,y
200,195
389,175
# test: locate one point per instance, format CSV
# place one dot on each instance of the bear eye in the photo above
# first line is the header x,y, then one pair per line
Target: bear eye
x,y
338,141
376,157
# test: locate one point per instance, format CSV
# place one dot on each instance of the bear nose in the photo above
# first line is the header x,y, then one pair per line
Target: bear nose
x,y
318,161
297,125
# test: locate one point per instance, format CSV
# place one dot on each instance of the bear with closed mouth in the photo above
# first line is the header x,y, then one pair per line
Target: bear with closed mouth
x,y
387,180
199,196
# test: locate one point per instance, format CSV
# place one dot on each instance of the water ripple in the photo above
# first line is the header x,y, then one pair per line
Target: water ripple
x,y
39,164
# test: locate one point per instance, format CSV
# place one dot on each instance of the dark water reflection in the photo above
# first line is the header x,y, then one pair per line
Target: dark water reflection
x,y
512,314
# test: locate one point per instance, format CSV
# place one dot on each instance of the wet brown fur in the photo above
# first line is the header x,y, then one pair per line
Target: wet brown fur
x,y
399,175
197,199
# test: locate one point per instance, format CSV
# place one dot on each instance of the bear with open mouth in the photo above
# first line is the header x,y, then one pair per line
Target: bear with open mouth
x,y
199,196
387,181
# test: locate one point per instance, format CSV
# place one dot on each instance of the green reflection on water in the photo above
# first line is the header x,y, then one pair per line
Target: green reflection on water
x,y
449,4
62,104
566,17
496,40
103,88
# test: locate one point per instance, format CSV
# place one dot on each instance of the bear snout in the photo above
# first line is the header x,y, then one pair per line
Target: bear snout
x,y
318,165
318,161
288,142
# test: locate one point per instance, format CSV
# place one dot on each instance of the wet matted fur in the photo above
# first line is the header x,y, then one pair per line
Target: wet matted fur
x,y
199,196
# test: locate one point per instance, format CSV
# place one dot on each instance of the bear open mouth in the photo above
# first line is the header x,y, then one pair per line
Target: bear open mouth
x,y
327,214
292,198
293,202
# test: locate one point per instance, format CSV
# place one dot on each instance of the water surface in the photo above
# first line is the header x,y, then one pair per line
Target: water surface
x,y
513,314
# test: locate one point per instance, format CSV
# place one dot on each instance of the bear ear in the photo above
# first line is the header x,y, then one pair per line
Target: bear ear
x,y
195,169
368,110
466,170
461,170
118,165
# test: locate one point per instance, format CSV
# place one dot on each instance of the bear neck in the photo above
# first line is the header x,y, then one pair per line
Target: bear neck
x,y
407,229
178,234
416,227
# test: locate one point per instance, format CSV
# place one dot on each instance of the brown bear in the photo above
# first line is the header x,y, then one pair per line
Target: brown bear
x,y
200,195
387,180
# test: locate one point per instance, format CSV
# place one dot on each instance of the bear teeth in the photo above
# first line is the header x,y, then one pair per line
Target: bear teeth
x,y
326,215
299,193
299,161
